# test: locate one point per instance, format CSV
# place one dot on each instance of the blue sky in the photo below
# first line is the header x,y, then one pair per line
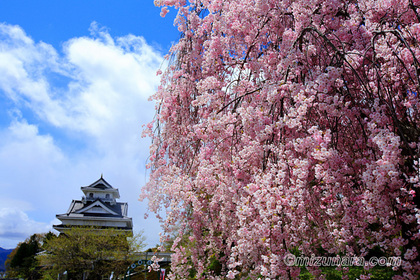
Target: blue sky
x,y
75,77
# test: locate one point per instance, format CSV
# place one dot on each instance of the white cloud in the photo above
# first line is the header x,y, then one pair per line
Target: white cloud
x,y
22,143
107,77
15,203
75,115
16,226
28,161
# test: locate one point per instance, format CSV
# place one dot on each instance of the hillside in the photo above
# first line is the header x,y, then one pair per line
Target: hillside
x,y
3,257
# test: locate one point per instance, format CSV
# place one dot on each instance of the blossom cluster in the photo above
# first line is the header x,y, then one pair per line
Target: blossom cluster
x,y
288,126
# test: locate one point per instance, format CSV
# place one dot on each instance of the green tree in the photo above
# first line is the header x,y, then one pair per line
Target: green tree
x,y
89,252
22,261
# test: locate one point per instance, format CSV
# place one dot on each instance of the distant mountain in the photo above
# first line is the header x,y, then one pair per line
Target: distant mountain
x,y
3,257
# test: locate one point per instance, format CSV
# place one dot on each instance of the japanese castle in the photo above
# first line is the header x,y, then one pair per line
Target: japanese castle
x,y
98,207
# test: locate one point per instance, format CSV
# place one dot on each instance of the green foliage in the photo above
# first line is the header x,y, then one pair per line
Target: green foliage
x,y
136,242
89,252
215,266
22,262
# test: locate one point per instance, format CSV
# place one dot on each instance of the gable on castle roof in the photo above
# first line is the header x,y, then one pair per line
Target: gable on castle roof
x,y
100,184
97,207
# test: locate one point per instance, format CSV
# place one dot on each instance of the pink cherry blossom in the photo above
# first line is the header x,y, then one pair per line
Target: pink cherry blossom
x,y
287,126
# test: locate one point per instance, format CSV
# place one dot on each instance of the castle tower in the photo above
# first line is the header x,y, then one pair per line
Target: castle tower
x,y
98,207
